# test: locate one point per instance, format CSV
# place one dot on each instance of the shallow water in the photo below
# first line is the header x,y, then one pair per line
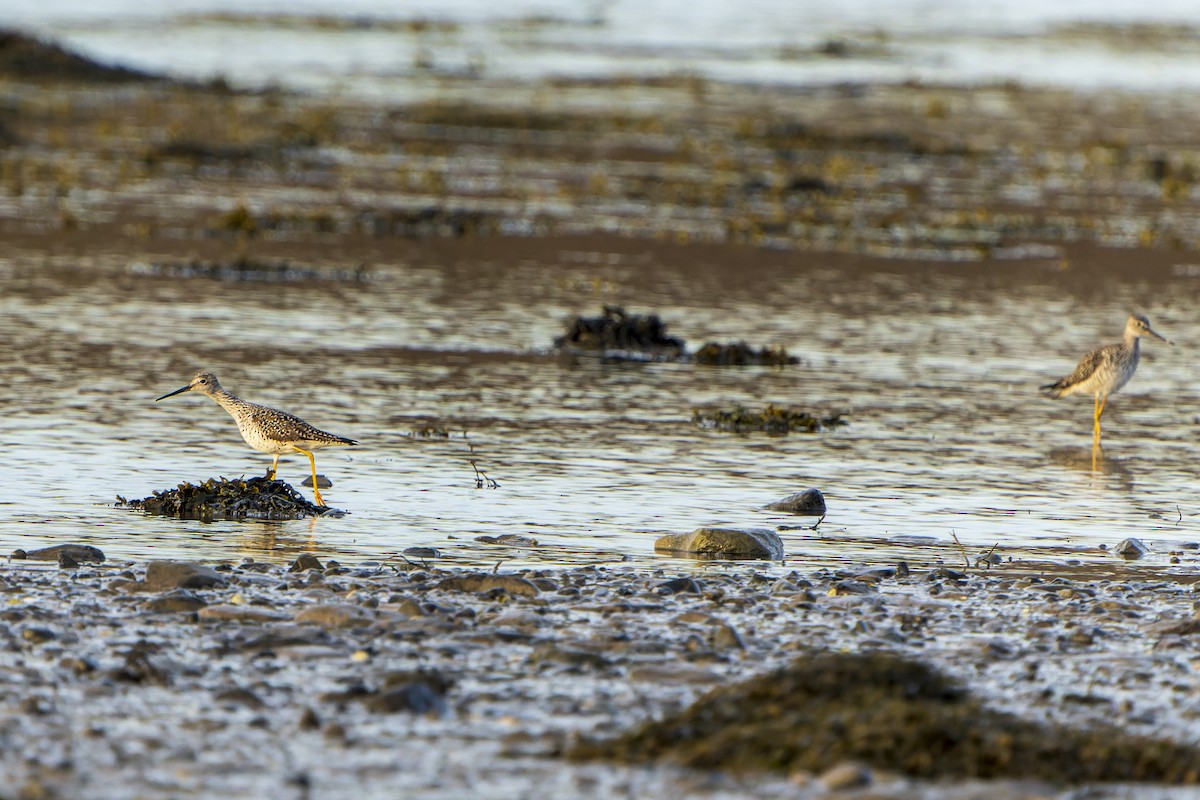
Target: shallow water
x,y
934,366
388,50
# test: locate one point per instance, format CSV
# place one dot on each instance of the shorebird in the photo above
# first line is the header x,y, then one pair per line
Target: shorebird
x,y
266,429
1106,369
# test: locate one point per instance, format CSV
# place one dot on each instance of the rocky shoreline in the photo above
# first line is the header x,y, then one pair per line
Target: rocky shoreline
x,y
258,679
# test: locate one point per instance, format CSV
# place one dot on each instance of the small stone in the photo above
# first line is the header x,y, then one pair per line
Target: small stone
x,y
808,503
336,615
485,582
844,588
181,575
418,697
724,543
322,482
309,721
175,602
683,585
78,552
422,552
305,562
846,775
225,612
66,562
38,635
510,539
237,696
1131,549
725,637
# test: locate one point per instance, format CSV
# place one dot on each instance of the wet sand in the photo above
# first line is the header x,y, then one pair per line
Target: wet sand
x,y
113,191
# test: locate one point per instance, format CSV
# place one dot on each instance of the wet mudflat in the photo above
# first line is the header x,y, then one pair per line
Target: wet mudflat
x,y
261,679
400,273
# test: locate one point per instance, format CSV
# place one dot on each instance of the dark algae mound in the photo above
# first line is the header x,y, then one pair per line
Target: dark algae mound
x,y
616,331
221,498
740,354
26,57
771,419
893,714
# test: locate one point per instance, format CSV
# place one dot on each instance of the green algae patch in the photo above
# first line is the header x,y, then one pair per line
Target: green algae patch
x,y
223,498
772,419
894,714
740,354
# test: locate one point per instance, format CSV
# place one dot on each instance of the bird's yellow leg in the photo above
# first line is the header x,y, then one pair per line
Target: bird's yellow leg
x,y
313,462
274,470
1096,427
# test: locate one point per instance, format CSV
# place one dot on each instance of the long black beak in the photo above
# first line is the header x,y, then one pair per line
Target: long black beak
x,y
172,394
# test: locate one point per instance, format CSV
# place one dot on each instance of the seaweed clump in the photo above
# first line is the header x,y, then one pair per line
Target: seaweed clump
x,y
772,419
894,714
740,354
27,57
618,334
222,498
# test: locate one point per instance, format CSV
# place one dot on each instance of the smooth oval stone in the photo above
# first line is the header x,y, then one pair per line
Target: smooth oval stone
x,y
181,575
336,615
809,503
1131,549
724,543
77,552
482,582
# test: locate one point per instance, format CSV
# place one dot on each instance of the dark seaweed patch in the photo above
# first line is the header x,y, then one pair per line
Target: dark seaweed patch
x,y
222,498
772,419
894,714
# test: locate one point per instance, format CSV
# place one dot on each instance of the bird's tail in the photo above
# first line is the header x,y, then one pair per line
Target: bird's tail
x,y
1055,389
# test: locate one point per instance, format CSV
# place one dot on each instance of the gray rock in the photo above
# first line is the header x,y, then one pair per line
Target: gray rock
x,y
227,612
1131,549
422,552
336,615
484,582
724,543
846,775
809,503
510,539
162,575
305,562
417,698
78,552
175,602
683,585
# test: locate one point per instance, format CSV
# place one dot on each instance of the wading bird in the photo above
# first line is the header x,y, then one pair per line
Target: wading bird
x,y
1105,369
266,429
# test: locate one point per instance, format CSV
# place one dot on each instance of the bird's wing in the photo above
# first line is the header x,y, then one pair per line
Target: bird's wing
x,y
280,426
1087,366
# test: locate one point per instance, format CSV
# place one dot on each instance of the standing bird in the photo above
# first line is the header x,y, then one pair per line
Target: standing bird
x,y
266,429
1105,369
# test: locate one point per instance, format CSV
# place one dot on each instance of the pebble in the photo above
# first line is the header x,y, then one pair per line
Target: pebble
x,y
847,775
336,615
226,612
418,697
484,582
77,552
174,602
181,575
305,562
422,552
510,539
808,503
724,543
1131,549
